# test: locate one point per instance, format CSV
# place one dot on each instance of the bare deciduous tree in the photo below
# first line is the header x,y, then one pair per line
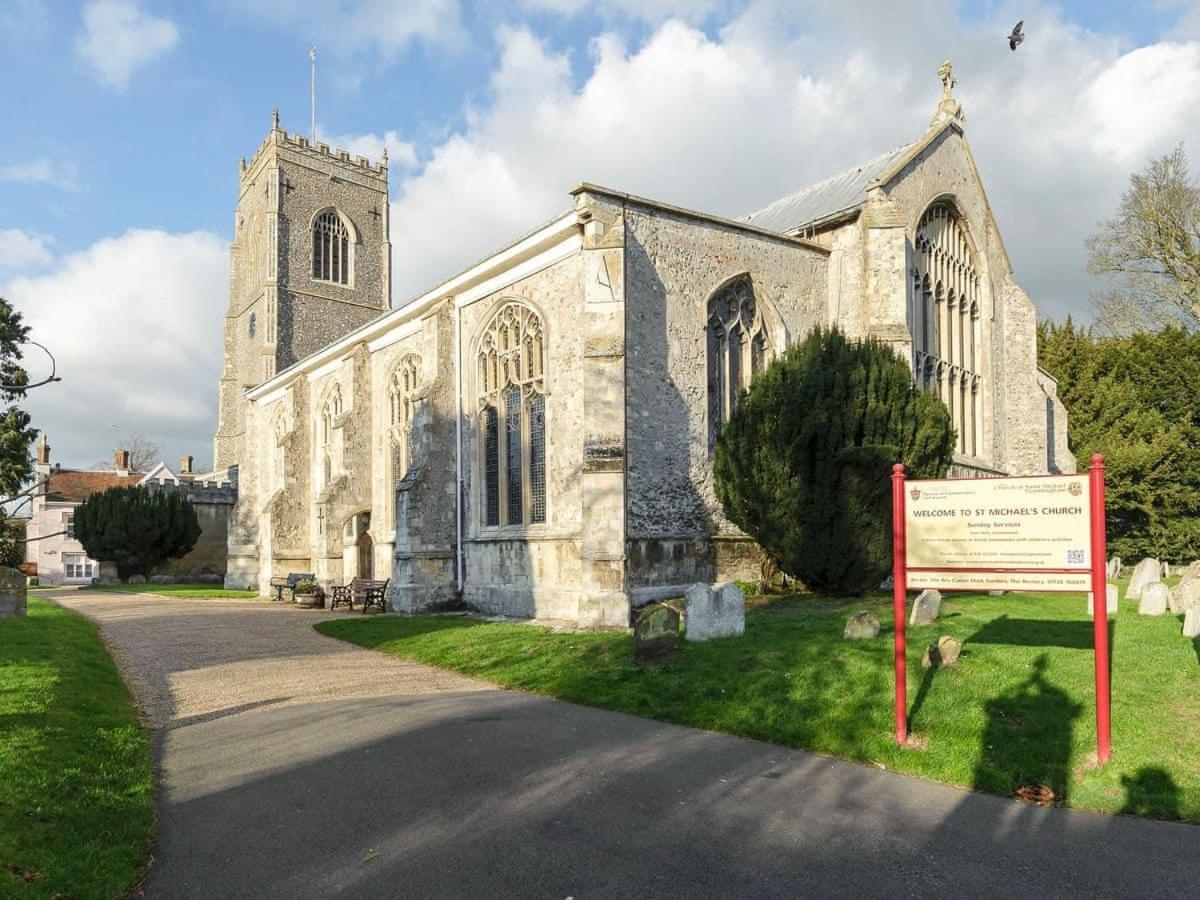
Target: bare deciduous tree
x,y
1152,249
144,454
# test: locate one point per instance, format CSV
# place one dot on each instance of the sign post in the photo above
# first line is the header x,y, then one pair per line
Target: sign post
x,y
1043,533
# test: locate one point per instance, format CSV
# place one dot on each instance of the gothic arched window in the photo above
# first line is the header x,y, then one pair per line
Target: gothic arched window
x,y
946,323
327,450
331,248
739,348
511,389
402,408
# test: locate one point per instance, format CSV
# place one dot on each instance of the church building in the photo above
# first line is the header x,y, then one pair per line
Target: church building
x,y
533,436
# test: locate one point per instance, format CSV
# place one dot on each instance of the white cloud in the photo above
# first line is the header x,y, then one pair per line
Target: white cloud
x,y
23,250
784,95
119,38
400,153
345,27
646,10
135,323
42,170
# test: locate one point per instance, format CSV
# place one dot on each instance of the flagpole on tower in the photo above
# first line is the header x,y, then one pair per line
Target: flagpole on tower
x,y
312,57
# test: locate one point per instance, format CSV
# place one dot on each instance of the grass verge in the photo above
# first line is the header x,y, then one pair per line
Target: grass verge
x,y
185,591
77,806
1016,717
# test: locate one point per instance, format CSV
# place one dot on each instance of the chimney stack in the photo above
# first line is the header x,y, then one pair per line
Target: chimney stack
x,y
185,465
122,461
43,452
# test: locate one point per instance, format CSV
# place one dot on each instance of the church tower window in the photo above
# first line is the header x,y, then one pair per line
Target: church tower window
x,y
331,248
739,348
511,387
946,324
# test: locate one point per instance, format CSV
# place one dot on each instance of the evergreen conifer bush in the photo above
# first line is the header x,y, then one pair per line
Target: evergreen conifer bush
x,y
803,464
136,529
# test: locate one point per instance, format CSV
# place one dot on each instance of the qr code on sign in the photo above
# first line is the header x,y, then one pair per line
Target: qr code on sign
x,y
1075,557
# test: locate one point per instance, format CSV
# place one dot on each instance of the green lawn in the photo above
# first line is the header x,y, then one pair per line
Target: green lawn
x,y
76,787
186,591
1018,713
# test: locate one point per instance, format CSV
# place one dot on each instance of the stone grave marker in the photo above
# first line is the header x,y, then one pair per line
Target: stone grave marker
x,y
1184,595
715,611
926,607
1144,573
1154,599
1191,622
1112,598
12,593
944,653
655,632
861,626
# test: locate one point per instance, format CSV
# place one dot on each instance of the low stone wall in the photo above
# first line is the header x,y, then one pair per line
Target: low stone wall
x,y
12,593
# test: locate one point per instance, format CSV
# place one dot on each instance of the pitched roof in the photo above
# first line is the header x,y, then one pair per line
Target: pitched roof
x,y
70,486
843,192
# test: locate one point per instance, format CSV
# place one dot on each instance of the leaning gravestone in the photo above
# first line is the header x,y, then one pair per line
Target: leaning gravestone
x,y
714,612
926,607
1144,573
861,626
655,633
12,593
1154,600
1191,622
1184,595
1112,604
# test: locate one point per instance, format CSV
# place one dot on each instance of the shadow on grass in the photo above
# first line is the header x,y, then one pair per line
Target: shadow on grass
x,y
1151,793
1073,635
1027,740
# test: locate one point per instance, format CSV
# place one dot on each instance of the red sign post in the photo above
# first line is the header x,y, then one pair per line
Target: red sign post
x,y
954,554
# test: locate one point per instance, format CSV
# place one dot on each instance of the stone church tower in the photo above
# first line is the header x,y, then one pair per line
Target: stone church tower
x,y
310,262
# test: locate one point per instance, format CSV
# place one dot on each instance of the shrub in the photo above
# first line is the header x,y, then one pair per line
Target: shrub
x,y
136,529
803,464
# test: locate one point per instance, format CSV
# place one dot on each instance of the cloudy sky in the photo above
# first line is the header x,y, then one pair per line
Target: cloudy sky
x,y
126,119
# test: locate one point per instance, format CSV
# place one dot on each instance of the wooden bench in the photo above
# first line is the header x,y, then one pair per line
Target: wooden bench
x,y
279,585
362,590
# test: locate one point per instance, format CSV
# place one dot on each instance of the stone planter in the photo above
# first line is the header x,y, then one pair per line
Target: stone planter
x,y
310,601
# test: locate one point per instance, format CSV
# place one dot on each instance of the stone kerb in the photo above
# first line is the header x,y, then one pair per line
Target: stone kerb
x,y
12,593
714,611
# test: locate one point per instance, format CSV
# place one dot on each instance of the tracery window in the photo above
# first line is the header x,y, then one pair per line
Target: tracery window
x,y
739,348
946,322
511,386
331,248
402,408
328,460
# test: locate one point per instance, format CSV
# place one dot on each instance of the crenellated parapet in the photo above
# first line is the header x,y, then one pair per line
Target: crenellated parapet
x,y
210,493
297,143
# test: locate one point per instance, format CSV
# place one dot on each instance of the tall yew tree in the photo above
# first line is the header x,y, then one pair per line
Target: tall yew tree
x,y
803,464
135,528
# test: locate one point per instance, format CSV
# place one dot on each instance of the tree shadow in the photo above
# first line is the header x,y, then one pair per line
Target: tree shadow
x,y
1151,793
1072,635
922,693
1026,745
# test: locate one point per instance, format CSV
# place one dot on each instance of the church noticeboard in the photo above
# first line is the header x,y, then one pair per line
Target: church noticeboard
x,y
1011,534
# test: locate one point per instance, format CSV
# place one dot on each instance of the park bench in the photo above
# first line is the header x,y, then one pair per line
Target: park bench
x,y
279,585
362,590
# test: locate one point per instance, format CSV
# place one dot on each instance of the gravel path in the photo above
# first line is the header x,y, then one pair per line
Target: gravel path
x,y
191,660
292,765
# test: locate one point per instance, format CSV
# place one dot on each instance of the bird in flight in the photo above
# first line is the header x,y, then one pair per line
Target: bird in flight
x,y
1017,36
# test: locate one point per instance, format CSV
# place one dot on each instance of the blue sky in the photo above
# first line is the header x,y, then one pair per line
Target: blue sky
x,y
126,120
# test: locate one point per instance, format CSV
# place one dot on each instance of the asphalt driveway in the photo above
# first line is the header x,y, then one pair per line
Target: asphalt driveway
x,y
294,765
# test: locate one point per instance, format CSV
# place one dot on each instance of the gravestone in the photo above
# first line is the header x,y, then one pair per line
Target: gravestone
x,y
1154,600
1144,573
926,607
1166,570
888,584
944,653
1184,595
1191,622
1112,598
714,612
162,579
861,626
655,633
1114,568
137,579
12,593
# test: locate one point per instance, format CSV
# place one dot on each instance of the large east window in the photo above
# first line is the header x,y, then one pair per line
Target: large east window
x,y
511,404
739,348
946,323
331,248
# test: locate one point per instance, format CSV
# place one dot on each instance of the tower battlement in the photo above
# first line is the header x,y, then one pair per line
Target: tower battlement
x,y
299,144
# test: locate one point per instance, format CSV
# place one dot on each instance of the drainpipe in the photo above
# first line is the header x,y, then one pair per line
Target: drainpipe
x,y
458,469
